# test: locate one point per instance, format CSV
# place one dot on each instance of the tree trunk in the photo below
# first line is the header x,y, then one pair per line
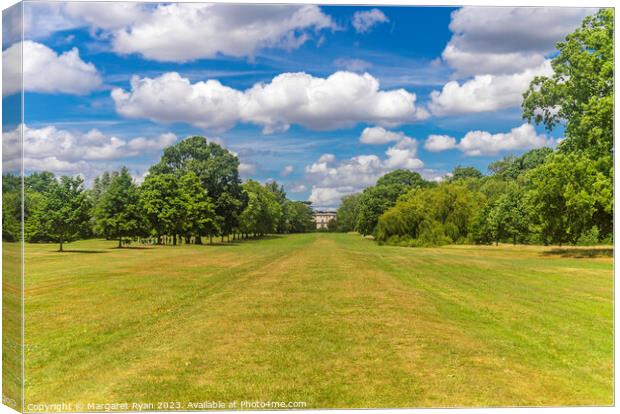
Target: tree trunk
x,y
210,239
61,242
174,240
120,242
198,240
222,238
188,239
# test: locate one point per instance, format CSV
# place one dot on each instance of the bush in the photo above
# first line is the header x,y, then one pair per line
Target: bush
x,y
590,237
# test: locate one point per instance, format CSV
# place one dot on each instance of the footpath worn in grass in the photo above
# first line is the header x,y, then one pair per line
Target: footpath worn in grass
x,y
329,319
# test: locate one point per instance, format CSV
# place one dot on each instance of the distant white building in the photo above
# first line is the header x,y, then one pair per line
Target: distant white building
x,y
322,218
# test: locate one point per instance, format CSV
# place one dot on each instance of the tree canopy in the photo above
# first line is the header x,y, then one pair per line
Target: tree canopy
x,y
65,210
579,94
117,212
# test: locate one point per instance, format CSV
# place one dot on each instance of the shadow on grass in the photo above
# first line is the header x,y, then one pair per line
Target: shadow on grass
x,y
219,244
578,253
238,242
80,251
130,248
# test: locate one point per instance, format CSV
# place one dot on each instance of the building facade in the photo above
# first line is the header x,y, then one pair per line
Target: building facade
x,y
322,218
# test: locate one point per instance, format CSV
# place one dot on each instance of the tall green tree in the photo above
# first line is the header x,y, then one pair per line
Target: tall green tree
x,y
346,216
118,213
514,214
262,211
197,208
579,94
160,200
373,202
218,171
280,194
300,219
565,193
39,182
65,210
11,207
504,217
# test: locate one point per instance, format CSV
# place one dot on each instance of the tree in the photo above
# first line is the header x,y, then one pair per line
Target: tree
x,y
373,202
11,208
504,217
432,216
217,170
565,193
513,214
118,211
346,216
38,182
65,210
463,173
262,211
198,209
511,167
160,200
533,158
505,168
300,218
579,94
403,177
278,191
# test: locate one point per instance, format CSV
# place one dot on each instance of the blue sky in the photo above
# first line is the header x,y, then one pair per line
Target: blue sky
x,y
322,99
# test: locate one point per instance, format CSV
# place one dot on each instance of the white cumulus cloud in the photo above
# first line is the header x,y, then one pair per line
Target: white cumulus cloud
x,y
46,71
379,135
523,137
363,21
341,100
182,32
436,143
332,179
172,98
104,15
62,151
485,92
480,143
507,40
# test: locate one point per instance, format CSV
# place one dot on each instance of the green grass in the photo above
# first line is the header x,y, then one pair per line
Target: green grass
x,y
330,319
11,325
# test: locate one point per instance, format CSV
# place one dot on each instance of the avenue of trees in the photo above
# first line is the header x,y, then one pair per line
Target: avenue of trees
x,y
544,196
194,192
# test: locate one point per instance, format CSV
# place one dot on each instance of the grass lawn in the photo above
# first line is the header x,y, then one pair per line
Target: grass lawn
x,y
330,319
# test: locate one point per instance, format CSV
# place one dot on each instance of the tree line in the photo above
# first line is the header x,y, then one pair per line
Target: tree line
x,y
193,193
544,196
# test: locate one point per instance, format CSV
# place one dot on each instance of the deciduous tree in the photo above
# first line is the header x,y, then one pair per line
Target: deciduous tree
x,y
118,212
65,210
